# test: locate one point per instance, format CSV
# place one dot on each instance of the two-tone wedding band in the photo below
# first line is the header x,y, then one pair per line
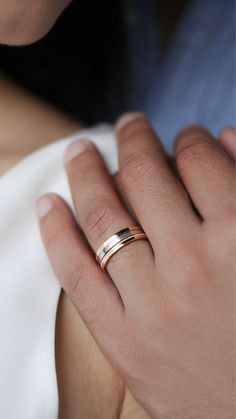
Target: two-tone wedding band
x,y
114,243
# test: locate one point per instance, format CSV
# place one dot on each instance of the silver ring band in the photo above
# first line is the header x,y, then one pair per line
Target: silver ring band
x,y
115,239
116,242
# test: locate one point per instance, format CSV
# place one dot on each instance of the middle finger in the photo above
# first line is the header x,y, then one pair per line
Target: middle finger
x,y
155,194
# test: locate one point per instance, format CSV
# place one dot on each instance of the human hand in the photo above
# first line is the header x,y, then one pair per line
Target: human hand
x,y
227,138
163,314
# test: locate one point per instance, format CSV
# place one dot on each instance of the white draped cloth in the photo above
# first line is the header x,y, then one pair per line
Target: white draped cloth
x,y
29,291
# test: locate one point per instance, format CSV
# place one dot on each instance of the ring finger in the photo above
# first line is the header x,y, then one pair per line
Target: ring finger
x,y
101,214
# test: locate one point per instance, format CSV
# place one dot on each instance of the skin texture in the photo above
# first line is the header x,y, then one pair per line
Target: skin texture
x,y
167,328
88,386
26,21
75,371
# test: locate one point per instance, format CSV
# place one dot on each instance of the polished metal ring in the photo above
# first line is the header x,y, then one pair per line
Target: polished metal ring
x,y
114,243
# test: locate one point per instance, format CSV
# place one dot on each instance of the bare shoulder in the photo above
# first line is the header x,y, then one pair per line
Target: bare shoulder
x,y
27,123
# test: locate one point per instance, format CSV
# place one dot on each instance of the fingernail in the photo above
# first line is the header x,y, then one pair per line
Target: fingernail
x,y
75,149
127,118
43,206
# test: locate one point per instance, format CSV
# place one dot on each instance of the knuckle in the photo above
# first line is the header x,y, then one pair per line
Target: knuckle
x,y
99,219
136,167
77,290
195,151
77,273
89,312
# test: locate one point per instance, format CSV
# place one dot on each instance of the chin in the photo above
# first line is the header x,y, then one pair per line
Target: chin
x,y
25,37
32,26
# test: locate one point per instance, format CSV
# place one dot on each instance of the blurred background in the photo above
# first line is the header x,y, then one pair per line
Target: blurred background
x,y
83,65
72,66
173,59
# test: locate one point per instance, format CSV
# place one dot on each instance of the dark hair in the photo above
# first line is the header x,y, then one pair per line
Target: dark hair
x,y
78,66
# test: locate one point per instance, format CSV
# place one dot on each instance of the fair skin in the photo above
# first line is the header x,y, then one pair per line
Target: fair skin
x,y
79,362
88,386
26,21
164,313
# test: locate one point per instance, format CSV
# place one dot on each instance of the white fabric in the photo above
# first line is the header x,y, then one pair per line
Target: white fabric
x,y
29,291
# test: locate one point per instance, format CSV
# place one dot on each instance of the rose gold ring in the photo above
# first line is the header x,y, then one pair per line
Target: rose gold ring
x,y
114,243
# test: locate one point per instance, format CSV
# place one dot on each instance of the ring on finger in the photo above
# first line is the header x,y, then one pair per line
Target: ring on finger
x,y
114,243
